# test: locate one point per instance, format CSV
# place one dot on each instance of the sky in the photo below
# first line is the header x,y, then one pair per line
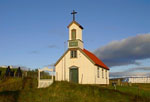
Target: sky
x,y
33,32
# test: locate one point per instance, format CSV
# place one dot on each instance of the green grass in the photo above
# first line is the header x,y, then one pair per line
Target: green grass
x,y
24,90
138,92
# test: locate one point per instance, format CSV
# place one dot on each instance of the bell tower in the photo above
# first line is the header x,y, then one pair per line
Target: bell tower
x,y
75,34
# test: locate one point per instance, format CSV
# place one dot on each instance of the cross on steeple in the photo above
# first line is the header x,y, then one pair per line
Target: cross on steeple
x,y
73,13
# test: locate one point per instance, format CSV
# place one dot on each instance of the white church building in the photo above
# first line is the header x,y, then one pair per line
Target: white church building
x,y
78,64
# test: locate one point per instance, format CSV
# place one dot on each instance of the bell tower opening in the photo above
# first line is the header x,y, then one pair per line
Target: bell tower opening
x,y
73,34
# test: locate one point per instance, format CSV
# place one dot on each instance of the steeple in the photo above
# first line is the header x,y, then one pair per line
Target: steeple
x,y
75,34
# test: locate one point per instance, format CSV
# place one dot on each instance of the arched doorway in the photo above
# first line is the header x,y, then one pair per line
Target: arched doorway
x,y
73,74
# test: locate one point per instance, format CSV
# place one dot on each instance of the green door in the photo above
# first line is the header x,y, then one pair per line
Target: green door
x,y
74,75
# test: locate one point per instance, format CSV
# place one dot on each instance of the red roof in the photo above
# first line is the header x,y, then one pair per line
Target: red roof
x,y
96,60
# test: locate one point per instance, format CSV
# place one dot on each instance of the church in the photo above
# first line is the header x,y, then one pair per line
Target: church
x,y
77,64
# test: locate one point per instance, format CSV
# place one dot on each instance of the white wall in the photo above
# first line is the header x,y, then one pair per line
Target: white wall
x,y
87,70
139,80
78,31
103,78
80,45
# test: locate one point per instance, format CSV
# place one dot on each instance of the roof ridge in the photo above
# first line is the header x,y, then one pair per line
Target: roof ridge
x,y
75,23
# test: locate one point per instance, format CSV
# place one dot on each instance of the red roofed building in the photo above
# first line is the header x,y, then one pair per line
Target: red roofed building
x,y
78,64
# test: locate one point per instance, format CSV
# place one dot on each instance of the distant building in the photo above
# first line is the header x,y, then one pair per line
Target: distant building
x,y
3,66
6,66
78,64
137,80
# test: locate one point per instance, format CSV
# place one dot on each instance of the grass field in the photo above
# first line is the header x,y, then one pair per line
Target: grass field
x,y
24,90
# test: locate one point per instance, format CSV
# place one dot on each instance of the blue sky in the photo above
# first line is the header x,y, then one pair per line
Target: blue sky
x,y
33,32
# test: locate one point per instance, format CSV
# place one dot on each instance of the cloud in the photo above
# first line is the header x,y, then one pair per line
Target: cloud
x,y
138,71
126,51
52,46
49,65
34,52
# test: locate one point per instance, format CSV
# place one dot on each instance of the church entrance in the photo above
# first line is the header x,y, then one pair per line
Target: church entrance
x,y
74,74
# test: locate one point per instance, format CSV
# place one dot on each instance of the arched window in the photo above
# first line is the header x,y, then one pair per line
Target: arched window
x,y
73,34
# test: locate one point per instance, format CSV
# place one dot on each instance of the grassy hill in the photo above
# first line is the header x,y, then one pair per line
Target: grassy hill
x,y
24,90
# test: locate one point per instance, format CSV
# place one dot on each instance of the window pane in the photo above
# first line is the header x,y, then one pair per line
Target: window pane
x,y
73,34
106,74
98,72
102,73
73,54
